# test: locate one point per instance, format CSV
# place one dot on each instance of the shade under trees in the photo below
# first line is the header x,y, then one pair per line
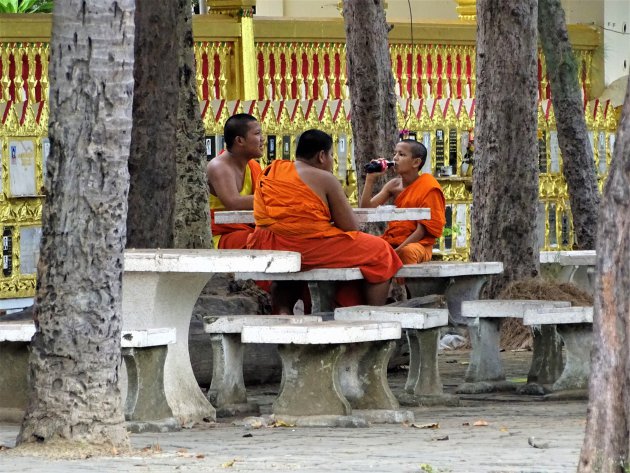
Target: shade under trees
x,y
75,353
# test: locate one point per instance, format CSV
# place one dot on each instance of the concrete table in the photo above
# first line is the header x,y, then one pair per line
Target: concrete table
x,y
384,213
577,267
160,288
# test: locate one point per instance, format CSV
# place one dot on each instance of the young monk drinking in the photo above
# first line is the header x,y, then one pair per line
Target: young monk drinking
x,y
300,206
412,241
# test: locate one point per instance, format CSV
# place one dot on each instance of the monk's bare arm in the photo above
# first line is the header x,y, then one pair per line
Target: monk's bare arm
x,y
418,234
340,210
222,183
366,196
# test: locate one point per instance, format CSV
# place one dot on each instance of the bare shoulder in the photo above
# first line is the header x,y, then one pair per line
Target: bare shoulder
x,y
219,166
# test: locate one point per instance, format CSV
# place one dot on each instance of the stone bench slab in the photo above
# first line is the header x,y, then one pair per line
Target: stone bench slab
x,y
16,332
331,332
506,308
319,274
409,318
438,269
569,315
235,323
148,338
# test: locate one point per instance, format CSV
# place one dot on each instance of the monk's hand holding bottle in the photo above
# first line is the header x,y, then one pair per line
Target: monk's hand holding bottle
x,y
377,167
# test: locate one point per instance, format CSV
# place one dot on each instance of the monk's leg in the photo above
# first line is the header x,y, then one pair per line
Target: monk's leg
x,y
284,295
376,293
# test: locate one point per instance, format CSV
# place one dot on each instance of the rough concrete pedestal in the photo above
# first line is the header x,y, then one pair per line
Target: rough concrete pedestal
x,y
14,386
578,339
146,409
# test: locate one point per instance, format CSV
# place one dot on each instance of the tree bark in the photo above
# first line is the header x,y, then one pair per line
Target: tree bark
x,y
505,180
577,155
371,84
192,212
75,354
605,448
152,164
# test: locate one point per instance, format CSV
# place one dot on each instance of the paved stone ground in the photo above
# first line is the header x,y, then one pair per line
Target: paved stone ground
x,y
457,446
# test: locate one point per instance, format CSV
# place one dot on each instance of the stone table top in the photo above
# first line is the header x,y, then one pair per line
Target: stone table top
x,y
568,258
408,317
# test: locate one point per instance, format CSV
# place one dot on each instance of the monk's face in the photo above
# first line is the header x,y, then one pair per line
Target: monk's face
x,y
404,160
253,141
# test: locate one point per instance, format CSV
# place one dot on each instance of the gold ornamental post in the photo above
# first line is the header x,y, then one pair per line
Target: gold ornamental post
x,y
243,11
467,10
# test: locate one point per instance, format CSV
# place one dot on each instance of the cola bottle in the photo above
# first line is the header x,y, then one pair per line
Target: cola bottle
x,y
378,165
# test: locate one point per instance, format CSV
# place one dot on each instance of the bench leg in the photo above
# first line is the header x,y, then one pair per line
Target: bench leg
x,y
310,381
424,376
14,386
146,407
485,362
546,364
227,385
363,375
463,288
227,389
322,296
578,339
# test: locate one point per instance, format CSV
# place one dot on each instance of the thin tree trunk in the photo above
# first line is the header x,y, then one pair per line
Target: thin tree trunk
x,y
75,354
371,83
577,156
605,448
505,181
152,165
192,213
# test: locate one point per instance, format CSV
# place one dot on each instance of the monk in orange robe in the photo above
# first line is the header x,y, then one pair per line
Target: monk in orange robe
x,y
232,177
300,206
413,241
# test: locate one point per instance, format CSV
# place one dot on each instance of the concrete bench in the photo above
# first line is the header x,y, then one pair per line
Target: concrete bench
x,y
323,361
577,267
574,325
485,371
458,281
144,353
227,391
423,332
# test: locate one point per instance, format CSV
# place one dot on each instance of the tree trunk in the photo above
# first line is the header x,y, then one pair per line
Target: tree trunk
x,y
505,181
75,354
371,83
192,212
605,448
577,155
152,164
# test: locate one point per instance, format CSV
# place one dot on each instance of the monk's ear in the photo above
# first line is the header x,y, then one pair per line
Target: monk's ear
x,y
417,162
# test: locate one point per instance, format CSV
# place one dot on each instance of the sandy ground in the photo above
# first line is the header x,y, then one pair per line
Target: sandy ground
x,y
457,445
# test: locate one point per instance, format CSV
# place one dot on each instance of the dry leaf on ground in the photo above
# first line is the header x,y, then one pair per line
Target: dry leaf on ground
x,y
432,425
480,423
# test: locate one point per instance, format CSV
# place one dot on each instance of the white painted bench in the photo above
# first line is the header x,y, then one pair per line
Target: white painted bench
x,y
485,362
384,213
227,391
574,325
458,281
321,361
143,351
160,288
423,331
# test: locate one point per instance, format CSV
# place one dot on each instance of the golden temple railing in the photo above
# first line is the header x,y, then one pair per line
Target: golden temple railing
x,y
299,81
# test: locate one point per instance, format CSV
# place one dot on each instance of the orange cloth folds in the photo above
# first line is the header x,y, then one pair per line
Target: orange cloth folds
x,y
290,216
425,192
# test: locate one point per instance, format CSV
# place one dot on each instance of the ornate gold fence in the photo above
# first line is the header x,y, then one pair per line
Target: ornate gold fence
x,y
300,82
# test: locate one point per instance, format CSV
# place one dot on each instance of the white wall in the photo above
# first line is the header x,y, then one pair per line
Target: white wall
x,y
616,39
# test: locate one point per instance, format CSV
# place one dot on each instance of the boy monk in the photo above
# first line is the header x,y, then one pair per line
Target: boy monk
x,y
300,206
413,241
232,176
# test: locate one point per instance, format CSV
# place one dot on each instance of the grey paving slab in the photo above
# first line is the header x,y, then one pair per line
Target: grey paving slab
x,y
500,447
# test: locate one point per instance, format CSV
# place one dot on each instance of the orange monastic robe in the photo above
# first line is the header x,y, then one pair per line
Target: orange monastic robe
x,y
233,236
423,192
290,216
